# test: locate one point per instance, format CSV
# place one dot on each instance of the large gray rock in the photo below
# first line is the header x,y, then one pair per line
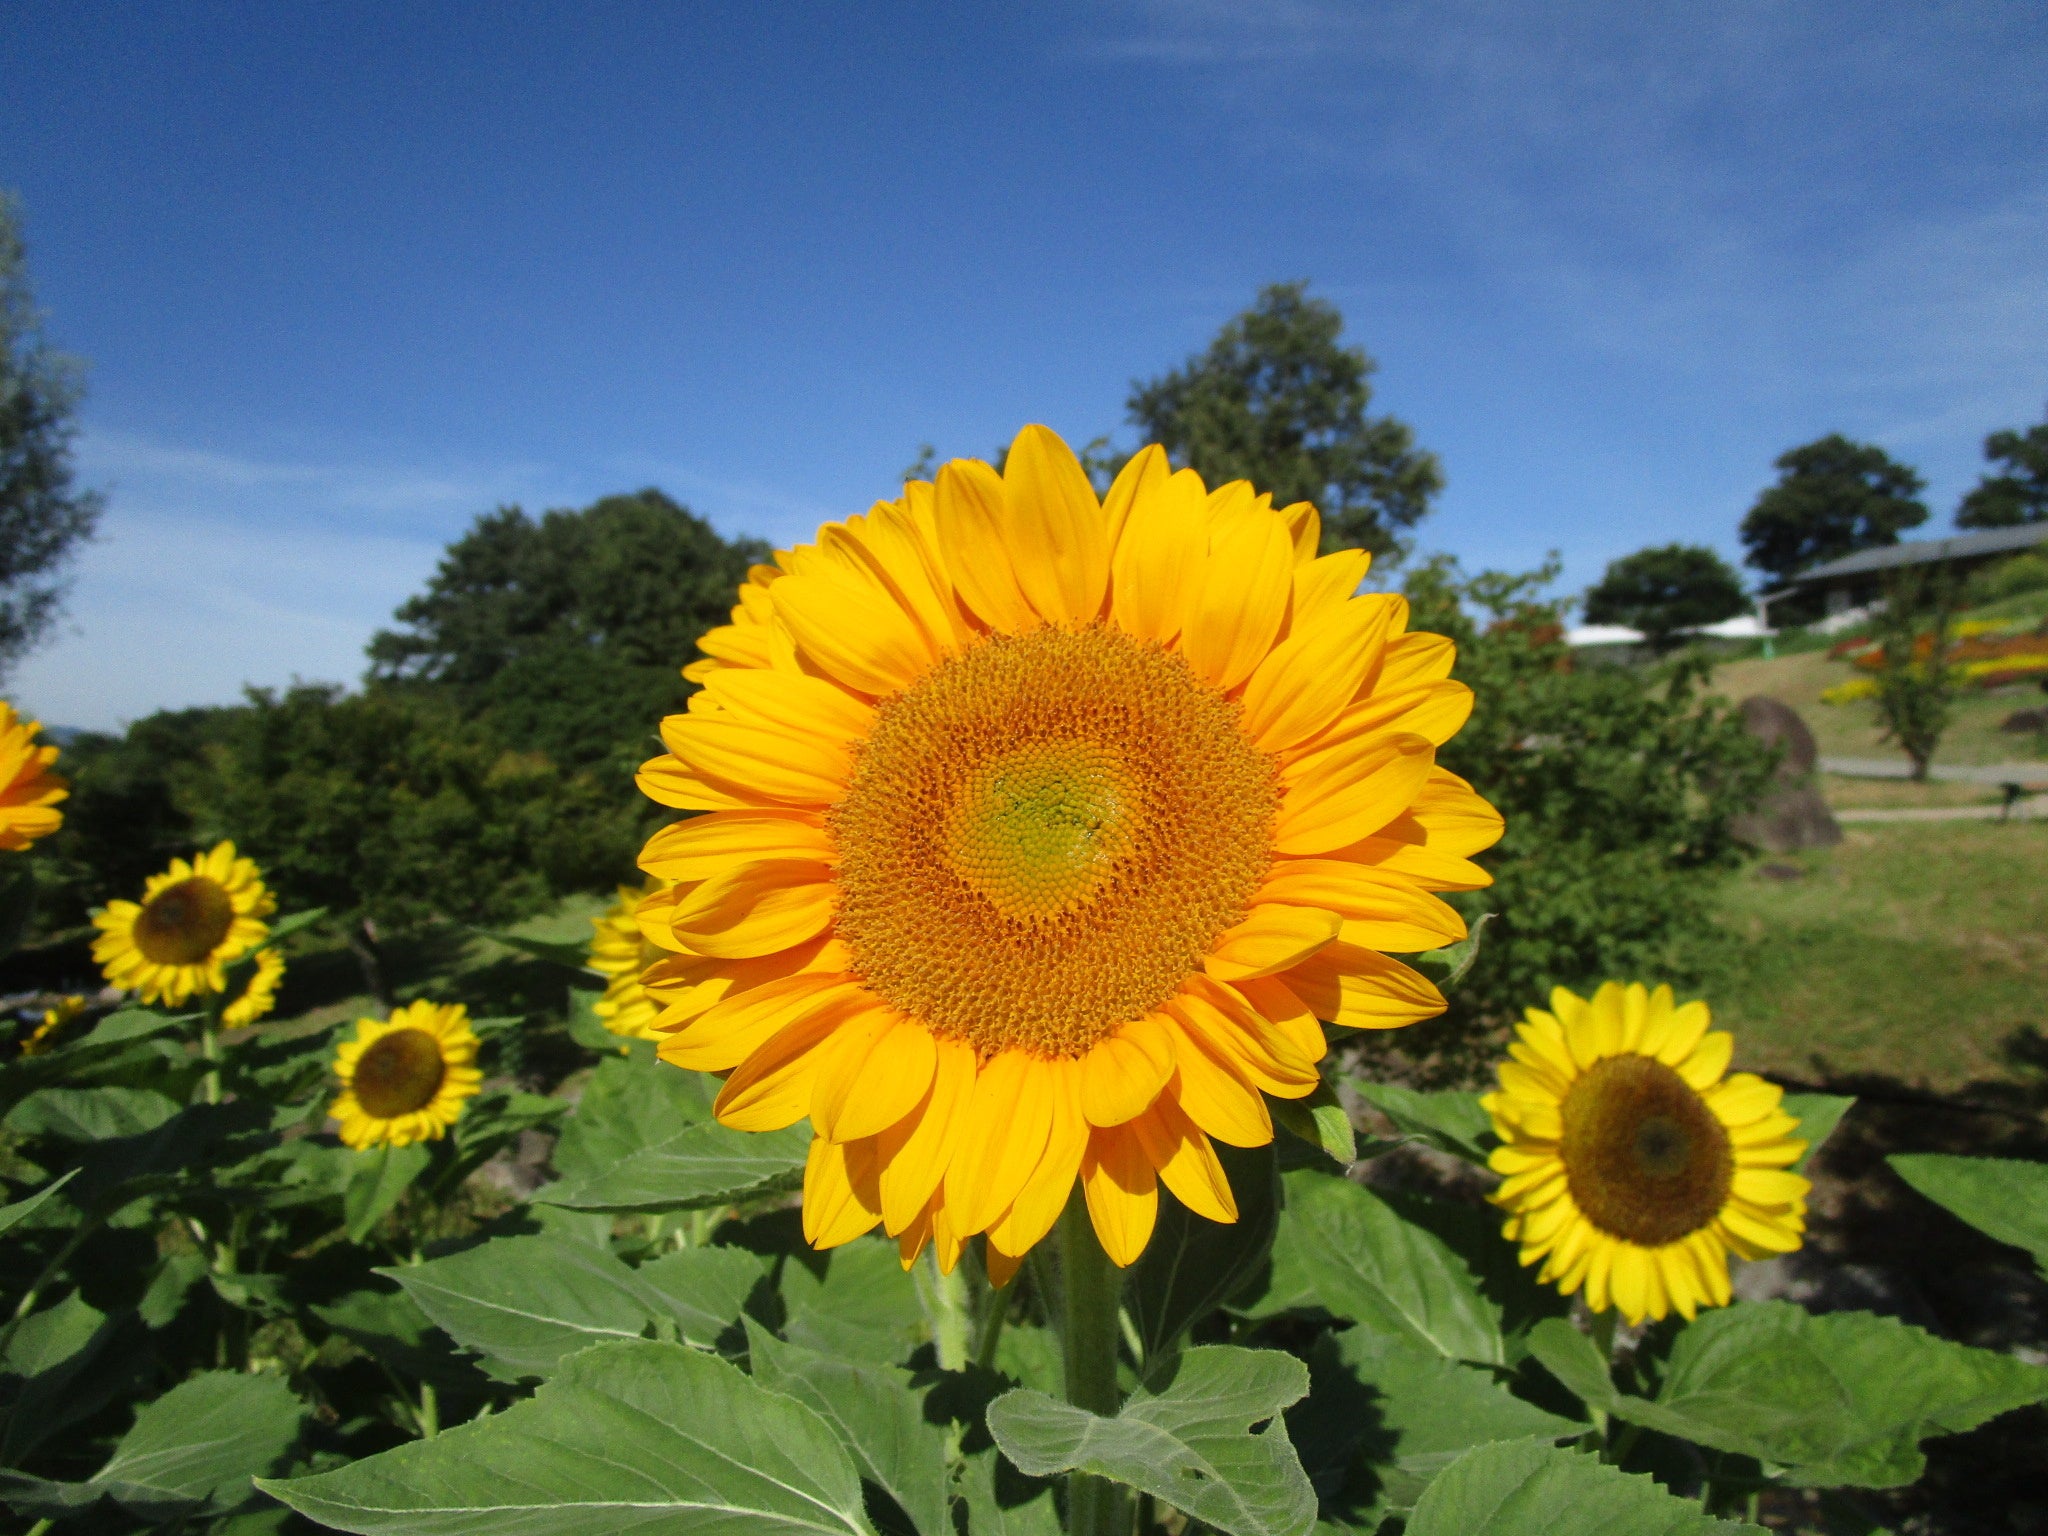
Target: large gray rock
x,y
1791,815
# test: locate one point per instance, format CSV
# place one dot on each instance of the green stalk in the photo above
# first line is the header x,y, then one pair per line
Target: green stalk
x,y
209,1049
1095,1505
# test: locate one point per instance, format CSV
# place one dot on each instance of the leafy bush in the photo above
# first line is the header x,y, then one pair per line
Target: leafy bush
x,y
1617,785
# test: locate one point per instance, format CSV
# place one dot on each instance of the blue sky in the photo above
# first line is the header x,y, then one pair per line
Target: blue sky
x,y
347,276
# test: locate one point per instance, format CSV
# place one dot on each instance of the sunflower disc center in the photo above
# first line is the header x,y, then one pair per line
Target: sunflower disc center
x,y
1041,828
1044,836
399,1073
1646,1159
184,923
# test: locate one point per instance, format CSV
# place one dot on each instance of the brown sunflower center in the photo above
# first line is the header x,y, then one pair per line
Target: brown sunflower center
x,y
399,1073
1045,835
184,923
1646,1159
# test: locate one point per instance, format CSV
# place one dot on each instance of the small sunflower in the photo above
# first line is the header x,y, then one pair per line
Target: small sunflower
x,y
619,950
404,1079
260,995
29,792
193,922
1040,832
1632,1164
54,1019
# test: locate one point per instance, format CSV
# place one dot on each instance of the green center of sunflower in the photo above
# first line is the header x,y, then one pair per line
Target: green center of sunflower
x,y
184,923
1647,1160
1039,828
399,1073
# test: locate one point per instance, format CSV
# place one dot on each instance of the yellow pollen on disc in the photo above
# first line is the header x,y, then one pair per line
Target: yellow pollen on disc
x,y
1645,1158
184,923
1044,836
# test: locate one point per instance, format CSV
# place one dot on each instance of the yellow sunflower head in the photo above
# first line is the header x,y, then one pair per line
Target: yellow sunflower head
x,y
620,951
194,920
1632,1165
404,1079
29,792
260,995
1040,832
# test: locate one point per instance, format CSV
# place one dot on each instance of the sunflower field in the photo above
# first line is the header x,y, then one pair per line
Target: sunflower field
x,y
964,1136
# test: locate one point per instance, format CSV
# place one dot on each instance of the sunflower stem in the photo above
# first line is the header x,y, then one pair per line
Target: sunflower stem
x,y
209,1050
1095,1505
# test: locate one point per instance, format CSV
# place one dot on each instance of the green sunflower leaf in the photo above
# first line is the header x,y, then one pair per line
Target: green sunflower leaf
x,y
1526,1488
379,1181
878,1417
1450,1122
628,1105
525,1302
282,928
1194,1265
1818,1114
1188,1439
199,1443
645,1436
90,1114
1320,1121
696,1167
854,1302
1368,1265
20,1210
1842,1399
2000,1196
571,955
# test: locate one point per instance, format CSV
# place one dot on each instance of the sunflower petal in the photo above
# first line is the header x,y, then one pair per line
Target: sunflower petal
x,y
1124,1073
1187,1164
1271,938
1054,529
1122,1190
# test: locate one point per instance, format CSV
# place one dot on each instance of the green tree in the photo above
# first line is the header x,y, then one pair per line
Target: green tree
x,y
1617,784
1666,589
390,806
2020,494
566,633
1833,497
43,516
1278,400
1916,682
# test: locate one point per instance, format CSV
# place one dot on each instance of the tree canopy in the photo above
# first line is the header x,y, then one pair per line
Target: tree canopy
x,y
43,516
1666,589
2020,494
1833,497
1278,400
569,631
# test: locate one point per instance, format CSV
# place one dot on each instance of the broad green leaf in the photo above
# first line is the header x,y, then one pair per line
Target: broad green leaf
x,y
1186,1439
1001,1501
1385,1415
1369,1265
61,1365
1451,964
200,1443
862,1307
525,1302
704,1290
2000,1196
1472,1233
568,954
1526,1488
164,1299
1193,1265
379,1182
90,1114
694,1168
1320,1121
877,1416
10,1214
1450,1122
1842,1399
126,1024
394,1328
1818,1114
1574,1360
655,1438
627,1106
291,923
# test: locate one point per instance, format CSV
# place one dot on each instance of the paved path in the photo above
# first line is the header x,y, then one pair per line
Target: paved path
x,y
1958,773
2034,809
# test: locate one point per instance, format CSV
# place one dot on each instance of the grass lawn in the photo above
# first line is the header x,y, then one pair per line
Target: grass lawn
x,y
1919,952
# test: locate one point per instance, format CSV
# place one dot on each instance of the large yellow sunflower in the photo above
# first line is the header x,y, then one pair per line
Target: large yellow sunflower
x,y
29,792
620,951
404,1079
194,921
1041,831
1633,1166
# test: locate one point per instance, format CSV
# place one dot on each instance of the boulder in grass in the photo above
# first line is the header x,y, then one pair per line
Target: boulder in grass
x,y
1791,815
